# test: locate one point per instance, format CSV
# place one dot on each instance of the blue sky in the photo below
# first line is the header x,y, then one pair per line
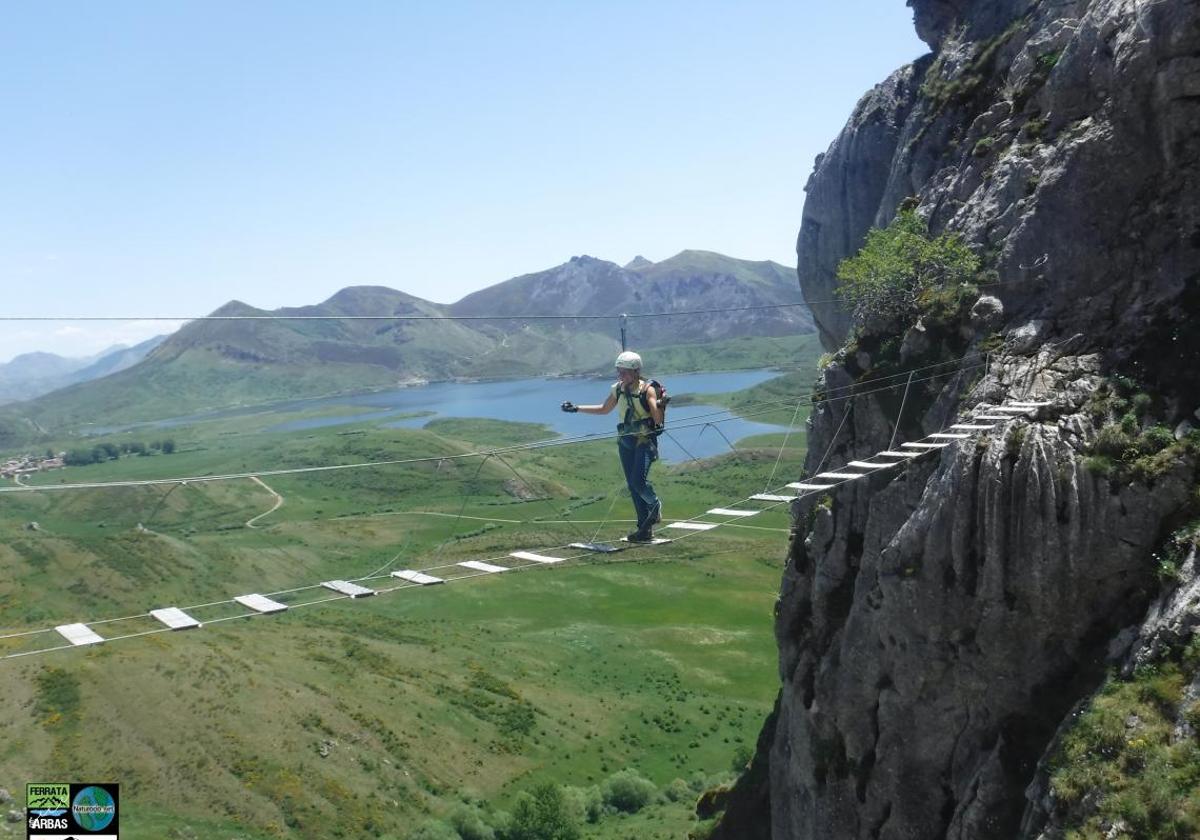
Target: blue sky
x,y
163,158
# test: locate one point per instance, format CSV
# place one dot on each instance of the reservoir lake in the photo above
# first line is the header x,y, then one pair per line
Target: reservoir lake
x,y
525,401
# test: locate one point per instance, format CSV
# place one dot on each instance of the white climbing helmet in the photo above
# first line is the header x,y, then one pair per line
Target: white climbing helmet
x,y
629,361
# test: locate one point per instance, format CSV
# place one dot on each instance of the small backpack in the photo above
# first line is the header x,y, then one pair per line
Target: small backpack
x,y
660,391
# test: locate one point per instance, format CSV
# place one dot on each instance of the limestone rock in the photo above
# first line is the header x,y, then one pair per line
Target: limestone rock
x,y
1172,620
1027,337
915,342
1063,94
906,678
987,313
938,624
844,195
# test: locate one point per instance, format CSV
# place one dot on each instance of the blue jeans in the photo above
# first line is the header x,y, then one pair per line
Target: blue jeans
x,y
636,459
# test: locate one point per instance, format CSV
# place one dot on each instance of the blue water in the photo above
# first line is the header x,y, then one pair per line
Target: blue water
x,y
538,400
521,400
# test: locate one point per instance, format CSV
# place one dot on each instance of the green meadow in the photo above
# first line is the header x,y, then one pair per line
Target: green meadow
x,y
624,684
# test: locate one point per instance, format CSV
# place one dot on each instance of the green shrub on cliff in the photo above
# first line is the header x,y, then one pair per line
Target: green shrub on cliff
x,y
900,266
1121,763
1131,444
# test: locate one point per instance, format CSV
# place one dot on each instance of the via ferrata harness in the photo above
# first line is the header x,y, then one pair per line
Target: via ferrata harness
x,y
637,416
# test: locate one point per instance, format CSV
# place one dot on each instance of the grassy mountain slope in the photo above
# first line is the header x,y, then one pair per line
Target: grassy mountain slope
x,y
780,279
375,716
213,364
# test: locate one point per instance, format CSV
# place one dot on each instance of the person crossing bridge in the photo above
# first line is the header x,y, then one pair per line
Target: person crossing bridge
x,y
637,443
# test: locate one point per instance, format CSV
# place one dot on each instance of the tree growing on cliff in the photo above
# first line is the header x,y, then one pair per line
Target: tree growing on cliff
x,y
898,267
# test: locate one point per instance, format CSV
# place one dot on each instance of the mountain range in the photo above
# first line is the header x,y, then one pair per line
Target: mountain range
x,y
211,364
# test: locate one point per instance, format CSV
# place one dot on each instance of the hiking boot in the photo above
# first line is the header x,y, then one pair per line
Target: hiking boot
x,y
640,536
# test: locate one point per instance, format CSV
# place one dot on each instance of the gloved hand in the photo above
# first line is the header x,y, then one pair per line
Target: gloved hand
x,y
570,407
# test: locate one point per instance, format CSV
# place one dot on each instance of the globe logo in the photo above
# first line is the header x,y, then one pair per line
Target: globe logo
x,y
93,808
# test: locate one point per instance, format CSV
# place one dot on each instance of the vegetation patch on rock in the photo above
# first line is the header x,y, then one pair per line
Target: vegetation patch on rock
x,y
1130,764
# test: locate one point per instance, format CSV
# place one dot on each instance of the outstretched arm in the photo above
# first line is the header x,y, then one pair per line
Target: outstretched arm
x,y
604,408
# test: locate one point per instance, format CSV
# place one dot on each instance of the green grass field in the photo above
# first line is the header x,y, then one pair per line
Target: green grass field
x,y
395,715
785,353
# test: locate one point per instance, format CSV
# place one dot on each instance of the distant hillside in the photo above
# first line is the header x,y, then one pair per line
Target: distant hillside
x,y
33,374
214,364
689,280
116,359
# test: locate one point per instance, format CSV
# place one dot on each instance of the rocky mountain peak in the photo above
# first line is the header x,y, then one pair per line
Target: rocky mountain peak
x,y
936,20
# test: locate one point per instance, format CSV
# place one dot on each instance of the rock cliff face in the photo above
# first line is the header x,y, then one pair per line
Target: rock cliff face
x,y
937,624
